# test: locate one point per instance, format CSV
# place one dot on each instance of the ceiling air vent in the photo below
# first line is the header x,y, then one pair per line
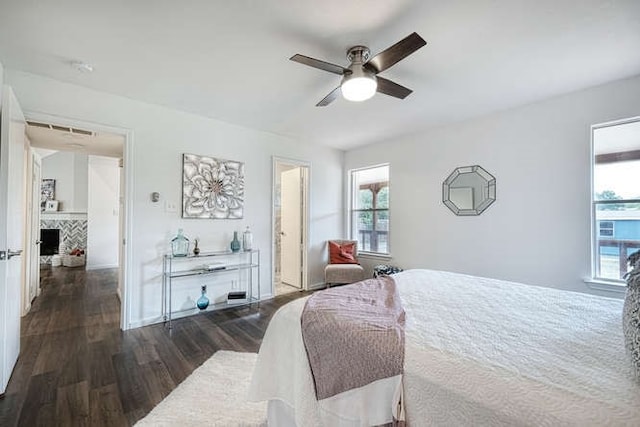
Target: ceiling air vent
x,y
82,132
38,125
60,128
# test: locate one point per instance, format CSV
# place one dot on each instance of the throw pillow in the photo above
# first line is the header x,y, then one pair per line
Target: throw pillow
x,y
631,314
342,254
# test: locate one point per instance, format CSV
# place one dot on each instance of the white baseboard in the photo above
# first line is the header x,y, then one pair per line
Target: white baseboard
x,y
146,322
101,266
317,286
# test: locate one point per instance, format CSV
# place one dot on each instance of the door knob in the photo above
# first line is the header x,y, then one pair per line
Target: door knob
x,y
8,254
11,253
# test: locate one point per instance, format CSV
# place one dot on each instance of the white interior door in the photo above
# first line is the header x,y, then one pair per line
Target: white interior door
x,y
12,145
291,226
34,243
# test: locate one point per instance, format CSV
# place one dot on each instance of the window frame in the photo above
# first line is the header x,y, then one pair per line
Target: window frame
x,y
594,223
352,200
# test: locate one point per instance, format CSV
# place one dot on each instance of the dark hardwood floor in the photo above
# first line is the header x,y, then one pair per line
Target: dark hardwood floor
x,y
77,368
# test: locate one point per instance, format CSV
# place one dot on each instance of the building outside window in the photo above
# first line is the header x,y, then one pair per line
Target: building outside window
x,y
616,198
369,209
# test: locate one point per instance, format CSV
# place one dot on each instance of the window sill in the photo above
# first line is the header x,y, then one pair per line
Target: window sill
x,y
606,285
372,255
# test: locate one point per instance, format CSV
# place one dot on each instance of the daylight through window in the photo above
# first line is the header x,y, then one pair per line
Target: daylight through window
x,y
369,213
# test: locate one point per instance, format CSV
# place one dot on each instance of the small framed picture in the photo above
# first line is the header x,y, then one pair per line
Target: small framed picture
x,y
51,205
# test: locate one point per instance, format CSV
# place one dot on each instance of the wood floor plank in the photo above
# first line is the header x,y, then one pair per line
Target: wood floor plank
x,y
105,409
76,367
130,382
42,390
101,371
72,405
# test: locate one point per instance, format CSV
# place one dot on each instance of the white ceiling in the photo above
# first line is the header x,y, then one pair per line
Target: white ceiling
x,y
229,59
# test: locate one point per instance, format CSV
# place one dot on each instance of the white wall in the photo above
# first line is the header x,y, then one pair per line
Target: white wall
x,y
103,212
538,230
1,80
69,169
161,135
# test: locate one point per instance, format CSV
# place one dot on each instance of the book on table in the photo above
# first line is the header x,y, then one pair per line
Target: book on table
x,y
236,297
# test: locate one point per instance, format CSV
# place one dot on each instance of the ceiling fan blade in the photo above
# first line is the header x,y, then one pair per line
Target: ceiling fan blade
x,y
395,53
329,98
392,89
322,65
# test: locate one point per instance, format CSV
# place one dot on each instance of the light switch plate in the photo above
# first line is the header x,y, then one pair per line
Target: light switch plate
x,y
170,207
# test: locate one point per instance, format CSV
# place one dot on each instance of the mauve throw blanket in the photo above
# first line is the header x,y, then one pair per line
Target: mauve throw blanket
x,y
354,335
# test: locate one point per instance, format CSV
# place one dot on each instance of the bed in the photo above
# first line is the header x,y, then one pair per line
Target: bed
x,y
478,351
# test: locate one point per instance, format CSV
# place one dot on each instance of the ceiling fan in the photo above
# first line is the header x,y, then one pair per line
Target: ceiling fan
x,y
360,80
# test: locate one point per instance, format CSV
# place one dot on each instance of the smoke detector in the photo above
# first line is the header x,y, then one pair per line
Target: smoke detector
x,y
83,67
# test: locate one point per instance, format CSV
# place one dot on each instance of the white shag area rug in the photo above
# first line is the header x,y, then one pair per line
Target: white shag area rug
x,y
215,394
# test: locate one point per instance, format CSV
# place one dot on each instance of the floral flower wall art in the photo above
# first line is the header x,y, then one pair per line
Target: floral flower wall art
x,y
212,188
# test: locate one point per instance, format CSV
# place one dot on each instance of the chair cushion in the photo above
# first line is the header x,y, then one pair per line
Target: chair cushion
x,y
343,273
342,254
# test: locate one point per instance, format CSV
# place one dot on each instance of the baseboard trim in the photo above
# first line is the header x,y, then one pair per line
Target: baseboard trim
x,y
101,267
317,286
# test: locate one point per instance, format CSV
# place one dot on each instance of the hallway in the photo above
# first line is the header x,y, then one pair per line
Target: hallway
x,y
76,366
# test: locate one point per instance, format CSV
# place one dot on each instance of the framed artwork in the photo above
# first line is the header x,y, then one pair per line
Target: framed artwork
x,y
212,188
47,192
51,205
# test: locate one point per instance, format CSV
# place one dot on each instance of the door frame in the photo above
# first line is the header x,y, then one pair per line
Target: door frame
x,y
127,197
306,209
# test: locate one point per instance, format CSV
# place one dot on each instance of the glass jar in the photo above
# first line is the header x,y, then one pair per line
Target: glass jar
x,y
247,239
180,245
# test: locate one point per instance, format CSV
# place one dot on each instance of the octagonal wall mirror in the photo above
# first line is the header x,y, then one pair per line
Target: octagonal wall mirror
x,y
469,190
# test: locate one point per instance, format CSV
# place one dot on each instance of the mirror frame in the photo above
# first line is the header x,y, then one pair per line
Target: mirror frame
x,y
490,184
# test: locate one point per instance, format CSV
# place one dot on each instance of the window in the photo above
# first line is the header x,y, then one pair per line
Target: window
x,y
369,209
616,198
605,229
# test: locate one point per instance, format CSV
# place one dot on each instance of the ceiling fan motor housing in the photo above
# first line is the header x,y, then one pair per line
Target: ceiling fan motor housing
x,y
358,54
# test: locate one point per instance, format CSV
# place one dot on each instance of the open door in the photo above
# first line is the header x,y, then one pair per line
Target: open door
x,y
34,243
12,149
291,234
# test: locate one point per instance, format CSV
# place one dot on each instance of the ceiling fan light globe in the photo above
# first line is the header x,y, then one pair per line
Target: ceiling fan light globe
x,y
359,88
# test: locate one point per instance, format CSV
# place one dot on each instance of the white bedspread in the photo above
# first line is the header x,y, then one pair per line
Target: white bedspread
x,y
282,373
479,352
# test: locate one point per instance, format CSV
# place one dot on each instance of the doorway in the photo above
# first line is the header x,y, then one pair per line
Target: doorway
x,y
87,164
290,225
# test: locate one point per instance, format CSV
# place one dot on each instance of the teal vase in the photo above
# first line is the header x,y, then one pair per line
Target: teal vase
x,y
203,301
235,243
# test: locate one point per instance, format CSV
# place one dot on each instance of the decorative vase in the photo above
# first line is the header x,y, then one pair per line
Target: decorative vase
x,y
203,301
235,243
196,249
180,245
247,239
631,314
